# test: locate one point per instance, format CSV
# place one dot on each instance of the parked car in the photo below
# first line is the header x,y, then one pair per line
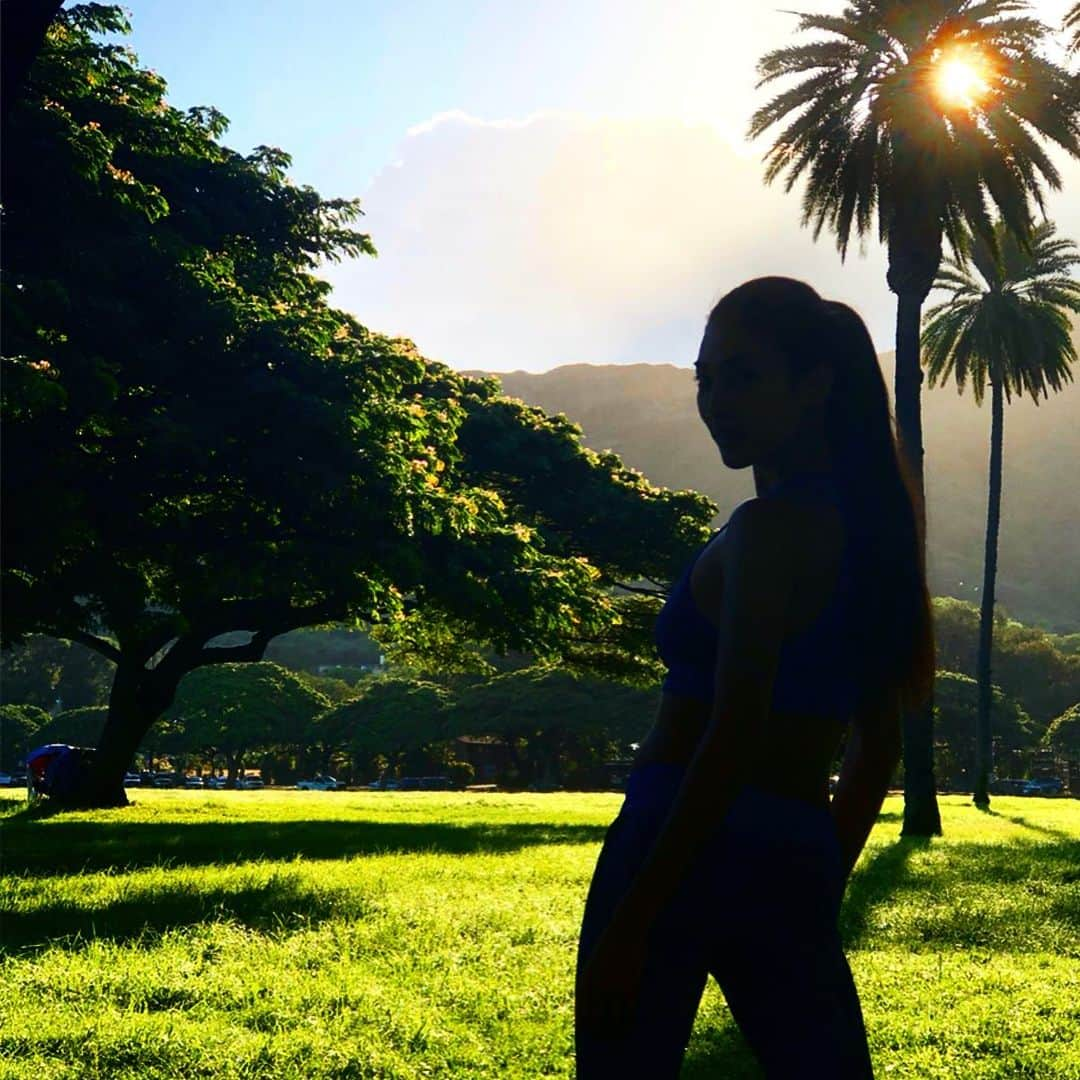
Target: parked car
x,y
132,779
1049,785
425,783
249,783
165,780
194,782
437,783
388,784
1009,786
6,779
217,782
320,782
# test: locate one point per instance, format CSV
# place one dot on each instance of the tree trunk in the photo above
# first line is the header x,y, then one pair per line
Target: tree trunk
x,y
518,762
983,730
125,727
921,814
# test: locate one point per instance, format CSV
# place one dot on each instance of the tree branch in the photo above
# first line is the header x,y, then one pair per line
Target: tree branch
x,y
638,588
236,654
105,648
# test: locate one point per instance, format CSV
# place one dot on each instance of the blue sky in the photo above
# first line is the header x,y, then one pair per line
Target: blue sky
x,y
546,183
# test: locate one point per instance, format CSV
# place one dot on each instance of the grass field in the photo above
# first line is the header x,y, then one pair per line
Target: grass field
x,y
420,934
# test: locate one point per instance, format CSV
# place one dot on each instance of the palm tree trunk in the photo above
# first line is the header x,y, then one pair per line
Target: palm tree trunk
x,y
921,814
983,730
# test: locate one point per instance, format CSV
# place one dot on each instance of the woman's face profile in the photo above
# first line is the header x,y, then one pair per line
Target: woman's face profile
x,y
744,394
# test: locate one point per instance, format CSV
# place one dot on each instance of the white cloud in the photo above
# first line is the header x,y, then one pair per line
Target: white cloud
x,y
563,237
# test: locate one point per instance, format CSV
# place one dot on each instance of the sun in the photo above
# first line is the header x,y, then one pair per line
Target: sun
x,y
960,79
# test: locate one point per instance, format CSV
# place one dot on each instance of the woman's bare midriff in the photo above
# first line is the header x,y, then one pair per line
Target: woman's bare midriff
x,y
796,753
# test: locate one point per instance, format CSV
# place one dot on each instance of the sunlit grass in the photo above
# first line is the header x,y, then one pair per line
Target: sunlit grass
x,y
378,934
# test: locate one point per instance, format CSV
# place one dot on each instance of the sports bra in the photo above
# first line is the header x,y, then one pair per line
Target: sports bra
x,y
814,673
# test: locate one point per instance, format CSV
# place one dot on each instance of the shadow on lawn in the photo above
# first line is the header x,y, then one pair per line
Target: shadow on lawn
x,y
1046,830
1039,867
66,847
284,903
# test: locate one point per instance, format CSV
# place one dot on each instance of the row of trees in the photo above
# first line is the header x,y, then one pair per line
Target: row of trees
x,y
555,728
1038,670
1038,679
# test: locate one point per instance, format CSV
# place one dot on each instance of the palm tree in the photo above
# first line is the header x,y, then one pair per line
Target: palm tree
x,y
920,110
1072,25
1012,328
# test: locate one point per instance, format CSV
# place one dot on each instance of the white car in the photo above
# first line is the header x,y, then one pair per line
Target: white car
x,y
132,779
320,783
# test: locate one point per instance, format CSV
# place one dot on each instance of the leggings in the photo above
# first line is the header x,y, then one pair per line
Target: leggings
x,y
757,909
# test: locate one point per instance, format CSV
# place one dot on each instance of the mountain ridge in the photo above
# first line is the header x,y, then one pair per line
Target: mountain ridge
x,y
647,414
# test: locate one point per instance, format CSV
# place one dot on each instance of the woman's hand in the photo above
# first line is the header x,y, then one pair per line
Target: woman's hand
x,y
607,991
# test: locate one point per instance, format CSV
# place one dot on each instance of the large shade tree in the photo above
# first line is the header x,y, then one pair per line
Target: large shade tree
x,y
956,701
1007,322
391,717
54,674
196,443
922,113
1063,734
19,726
546,714
233,709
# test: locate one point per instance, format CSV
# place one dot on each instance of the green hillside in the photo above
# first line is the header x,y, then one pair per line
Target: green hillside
x,y
646,413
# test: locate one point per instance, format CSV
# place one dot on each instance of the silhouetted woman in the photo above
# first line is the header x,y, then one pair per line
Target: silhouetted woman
x,y
805,617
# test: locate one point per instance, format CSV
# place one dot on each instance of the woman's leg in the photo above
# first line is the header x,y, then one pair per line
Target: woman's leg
x,y
778,957
673,979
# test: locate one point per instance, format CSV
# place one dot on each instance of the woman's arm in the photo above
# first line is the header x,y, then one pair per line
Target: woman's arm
x,y
870,759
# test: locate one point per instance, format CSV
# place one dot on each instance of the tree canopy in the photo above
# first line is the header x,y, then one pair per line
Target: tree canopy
x,y
19,727
1063,734
233,708
195,442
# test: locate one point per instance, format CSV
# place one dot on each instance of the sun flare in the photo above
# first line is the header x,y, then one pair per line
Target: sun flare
x,y
961,80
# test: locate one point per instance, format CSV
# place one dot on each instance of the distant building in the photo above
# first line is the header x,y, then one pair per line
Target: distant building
x,y
487,754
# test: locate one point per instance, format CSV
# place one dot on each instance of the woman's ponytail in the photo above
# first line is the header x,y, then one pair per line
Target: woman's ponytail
x,y
895,618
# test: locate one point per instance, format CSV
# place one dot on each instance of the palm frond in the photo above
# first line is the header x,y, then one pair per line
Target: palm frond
x,y
1071,23
866,131
1016,328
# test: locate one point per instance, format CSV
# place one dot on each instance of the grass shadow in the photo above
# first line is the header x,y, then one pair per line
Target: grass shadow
x,y
283,903
1046,830
66,847
936,906
874,884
